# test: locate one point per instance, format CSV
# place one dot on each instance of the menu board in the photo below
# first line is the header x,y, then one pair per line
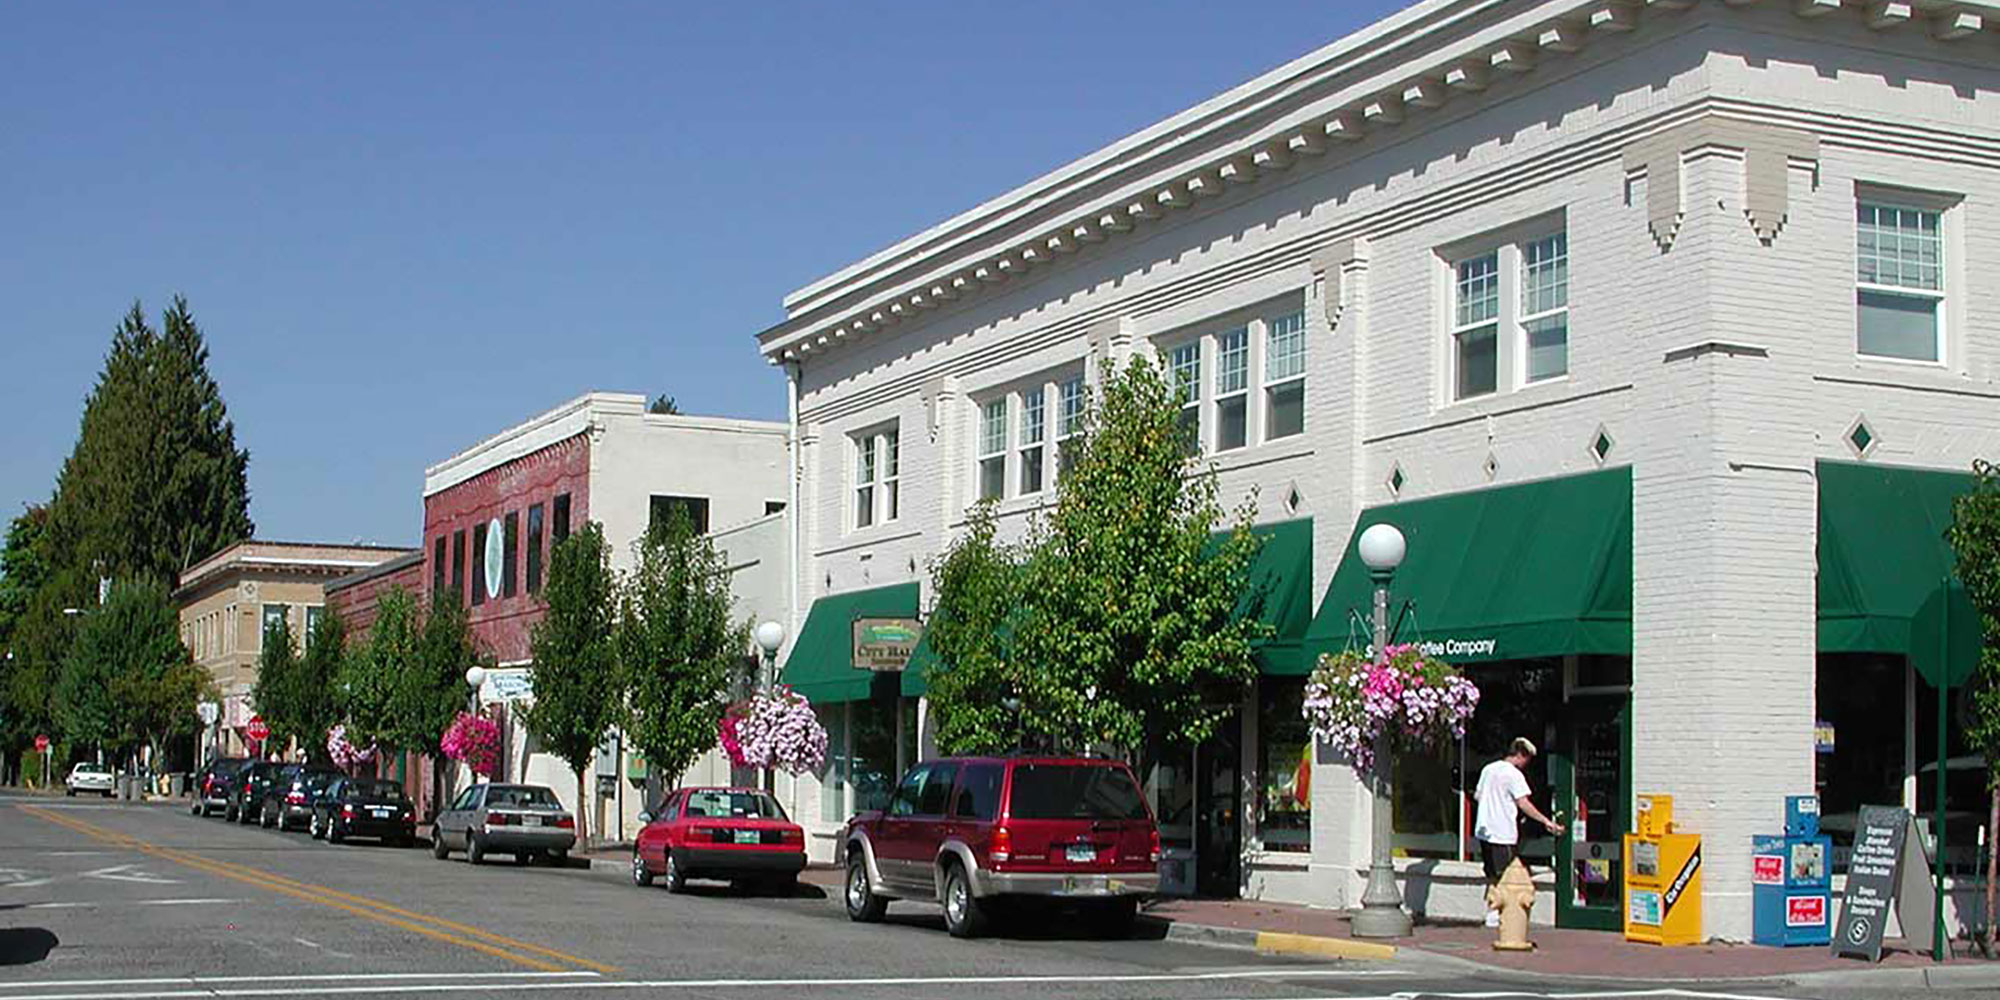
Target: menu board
x,y
1888,866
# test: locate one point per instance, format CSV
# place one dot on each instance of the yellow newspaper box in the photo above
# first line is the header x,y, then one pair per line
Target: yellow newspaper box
x,y
1662,877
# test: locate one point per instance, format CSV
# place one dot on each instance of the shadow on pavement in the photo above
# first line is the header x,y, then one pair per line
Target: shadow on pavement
x,y
25,945
1039,924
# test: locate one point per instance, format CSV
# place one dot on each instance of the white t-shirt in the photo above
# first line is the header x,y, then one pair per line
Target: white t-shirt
x,y
1499,817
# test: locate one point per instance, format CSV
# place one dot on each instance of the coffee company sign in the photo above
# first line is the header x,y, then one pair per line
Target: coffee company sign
x,y
885,643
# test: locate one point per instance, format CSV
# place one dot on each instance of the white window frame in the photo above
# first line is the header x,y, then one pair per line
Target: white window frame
x,y
1940,297
991,449
876,500
1510,320
1031,449
1272,384
1195,388
1069,423
1218,395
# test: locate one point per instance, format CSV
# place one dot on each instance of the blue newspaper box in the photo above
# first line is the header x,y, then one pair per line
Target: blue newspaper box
x,y
1791,890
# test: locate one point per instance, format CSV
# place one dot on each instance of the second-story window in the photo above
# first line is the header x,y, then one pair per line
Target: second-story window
x,y
1184,376
1232,389
1285,375
1475,330
1899,281
878,466
1071,401
1033,430
993,449
535,549
1545,307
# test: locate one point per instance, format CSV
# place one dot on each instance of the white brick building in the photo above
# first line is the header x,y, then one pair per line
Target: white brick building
x,y
1703,257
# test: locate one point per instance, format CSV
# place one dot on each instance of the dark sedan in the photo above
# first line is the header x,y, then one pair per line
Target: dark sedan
x,y
246,793
365,807
288,800
214,783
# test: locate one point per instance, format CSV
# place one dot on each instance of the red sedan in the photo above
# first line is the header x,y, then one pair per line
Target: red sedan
x,y
737,834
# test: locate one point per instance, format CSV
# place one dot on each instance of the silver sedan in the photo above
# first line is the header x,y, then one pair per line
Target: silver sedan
x,y
522,820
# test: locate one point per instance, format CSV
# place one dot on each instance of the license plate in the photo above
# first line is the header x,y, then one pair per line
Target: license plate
x,y
1085,883
749,837
1079,854
380,813
534,821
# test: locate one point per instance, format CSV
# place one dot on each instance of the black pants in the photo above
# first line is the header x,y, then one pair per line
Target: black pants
x,y
1496,858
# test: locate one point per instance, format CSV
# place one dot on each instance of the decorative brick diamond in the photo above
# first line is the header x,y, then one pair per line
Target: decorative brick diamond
x,y
1397,479
1861,437
1601,445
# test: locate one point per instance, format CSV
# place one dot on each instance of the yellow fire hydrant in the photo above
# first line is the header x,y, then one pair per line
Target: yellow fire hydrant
x,y
1514,896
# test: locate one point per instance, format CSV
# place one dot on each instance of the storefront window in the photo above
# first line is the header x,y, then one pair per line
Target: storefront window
x,y
1170,788
873,744
1965,799
1284,764
1432,790
839,766
1858,741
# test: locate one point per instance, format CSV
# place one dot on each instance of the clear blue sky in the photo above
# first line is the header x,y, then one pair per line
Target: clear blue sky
x,y
407,226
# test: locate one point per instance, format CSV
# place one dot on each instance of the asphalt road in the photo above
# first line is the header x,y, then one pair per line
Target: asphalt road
x,y
118,902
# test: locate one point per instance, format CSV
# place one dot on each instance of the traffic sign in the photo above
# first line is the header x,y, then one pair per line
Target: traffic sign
x,y
1945,636
41,744
257,730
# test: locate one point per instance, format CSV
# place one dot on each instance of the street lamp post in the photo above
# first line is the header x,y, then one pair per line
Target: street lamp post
x,y
769,635
475,676
1382,916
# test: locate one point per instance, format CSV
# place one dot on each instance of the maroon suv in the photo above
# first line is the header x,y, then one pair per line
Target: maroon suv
x,y
967,831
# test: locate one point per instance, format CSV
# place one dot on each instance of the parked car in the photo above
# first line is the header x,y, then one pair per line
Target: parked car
x,y
247,798
288,798
363,807
969,832
738,834
213,782
521,820
89,777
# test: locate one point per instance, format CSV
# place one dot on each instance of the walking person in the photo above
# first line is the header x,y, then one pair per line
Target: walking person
x,y
1502,795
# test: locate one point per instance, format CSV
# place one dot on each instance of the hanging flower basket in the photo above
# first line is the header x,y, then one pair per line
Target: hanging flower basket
x,y
773,729
473,740
1414,701
346,755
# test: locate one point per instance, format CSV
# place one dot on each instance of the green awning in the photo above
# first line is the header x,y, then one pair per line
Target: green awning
x,y
1882,550
821,664
1515,572
1279,595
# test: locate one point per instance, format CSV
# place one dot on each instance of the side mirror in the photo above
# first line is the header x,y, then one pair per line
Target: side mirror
x,y
645,816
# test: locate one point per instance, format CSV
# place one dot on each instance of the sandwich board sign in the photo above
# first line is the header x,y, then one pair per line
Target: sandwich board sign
x,y
1887,868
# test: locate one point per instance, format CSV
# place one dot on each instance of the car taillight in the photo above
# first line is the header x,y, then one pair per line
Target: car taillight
x,y
347,809
793,836
498,819
1002,848
706,833
566,822
1156,845
295,798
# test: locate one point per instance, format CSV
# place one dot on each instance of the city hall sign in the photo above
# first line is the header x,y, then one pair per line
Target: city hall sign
x,y
885,643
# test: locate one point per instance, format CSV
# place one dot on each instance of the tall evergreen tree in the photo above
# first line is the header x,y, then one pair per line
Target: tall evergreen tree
x,y
24,682
155,481
575,662
676,645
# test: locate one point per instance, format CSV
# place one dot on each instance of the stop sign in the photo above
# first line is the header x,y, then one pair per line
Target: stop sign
x,y
257,730
41,744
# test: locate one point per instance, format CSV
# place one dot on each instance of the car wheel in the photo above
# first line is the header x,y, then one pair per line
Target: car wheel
x,y
264,819
964,917
523,857
333,834
438,848
71,792
475,851
641,875
312,827
676,877
229,814
194,808
1115,918
863,906
558,857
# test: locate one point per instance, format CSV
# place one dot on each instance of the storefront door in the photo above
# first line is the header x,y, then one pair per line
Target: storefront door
x,y
1590,772
1219,811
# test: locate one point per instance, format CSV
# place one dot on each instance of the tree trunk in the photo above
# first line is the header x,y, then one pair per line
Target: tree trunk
x,y
582,815
1992,860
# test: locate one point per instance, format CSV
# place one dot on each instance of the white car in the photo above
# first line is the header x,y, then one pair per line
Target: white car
x,y
88,777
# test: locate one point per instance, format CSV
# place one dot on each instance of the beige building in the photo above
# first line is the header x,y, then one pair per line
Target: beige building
x,y
227,600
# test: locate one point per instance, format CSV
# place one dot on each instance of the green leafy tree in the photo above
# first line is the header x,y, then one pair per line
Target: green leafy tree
x,y
1975,541
317,691
429,695
1125,629
127,680
369,672
155,481
977,581
575,660
276,693
676,645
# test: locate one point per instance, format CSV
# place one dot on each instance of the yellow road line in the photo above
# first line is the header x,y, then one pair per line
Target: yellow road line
x,y
358,905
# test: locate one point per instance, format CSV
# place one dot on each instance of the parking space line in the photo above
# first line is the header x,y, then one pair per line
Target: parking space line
x,y
436,928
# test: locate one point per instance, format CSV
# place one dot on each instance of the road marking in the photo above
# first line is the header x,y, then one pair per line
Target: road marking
x,y
88,905
436,928
298,978
123,873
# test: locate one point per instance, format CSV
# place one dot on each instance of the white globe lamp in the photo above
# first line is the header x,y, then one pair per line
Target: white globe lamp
x,y
770,635
1382,548
475,676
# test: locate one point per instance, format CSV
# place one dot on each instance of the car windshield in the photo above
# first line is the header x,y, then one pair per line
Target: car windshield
x,y
317,780
719,804
92,769
1074,791
369,788
520,795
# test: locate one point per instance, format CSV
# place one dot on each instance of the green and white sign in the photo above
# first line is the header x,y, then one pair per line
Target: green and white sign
x,y
885,643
